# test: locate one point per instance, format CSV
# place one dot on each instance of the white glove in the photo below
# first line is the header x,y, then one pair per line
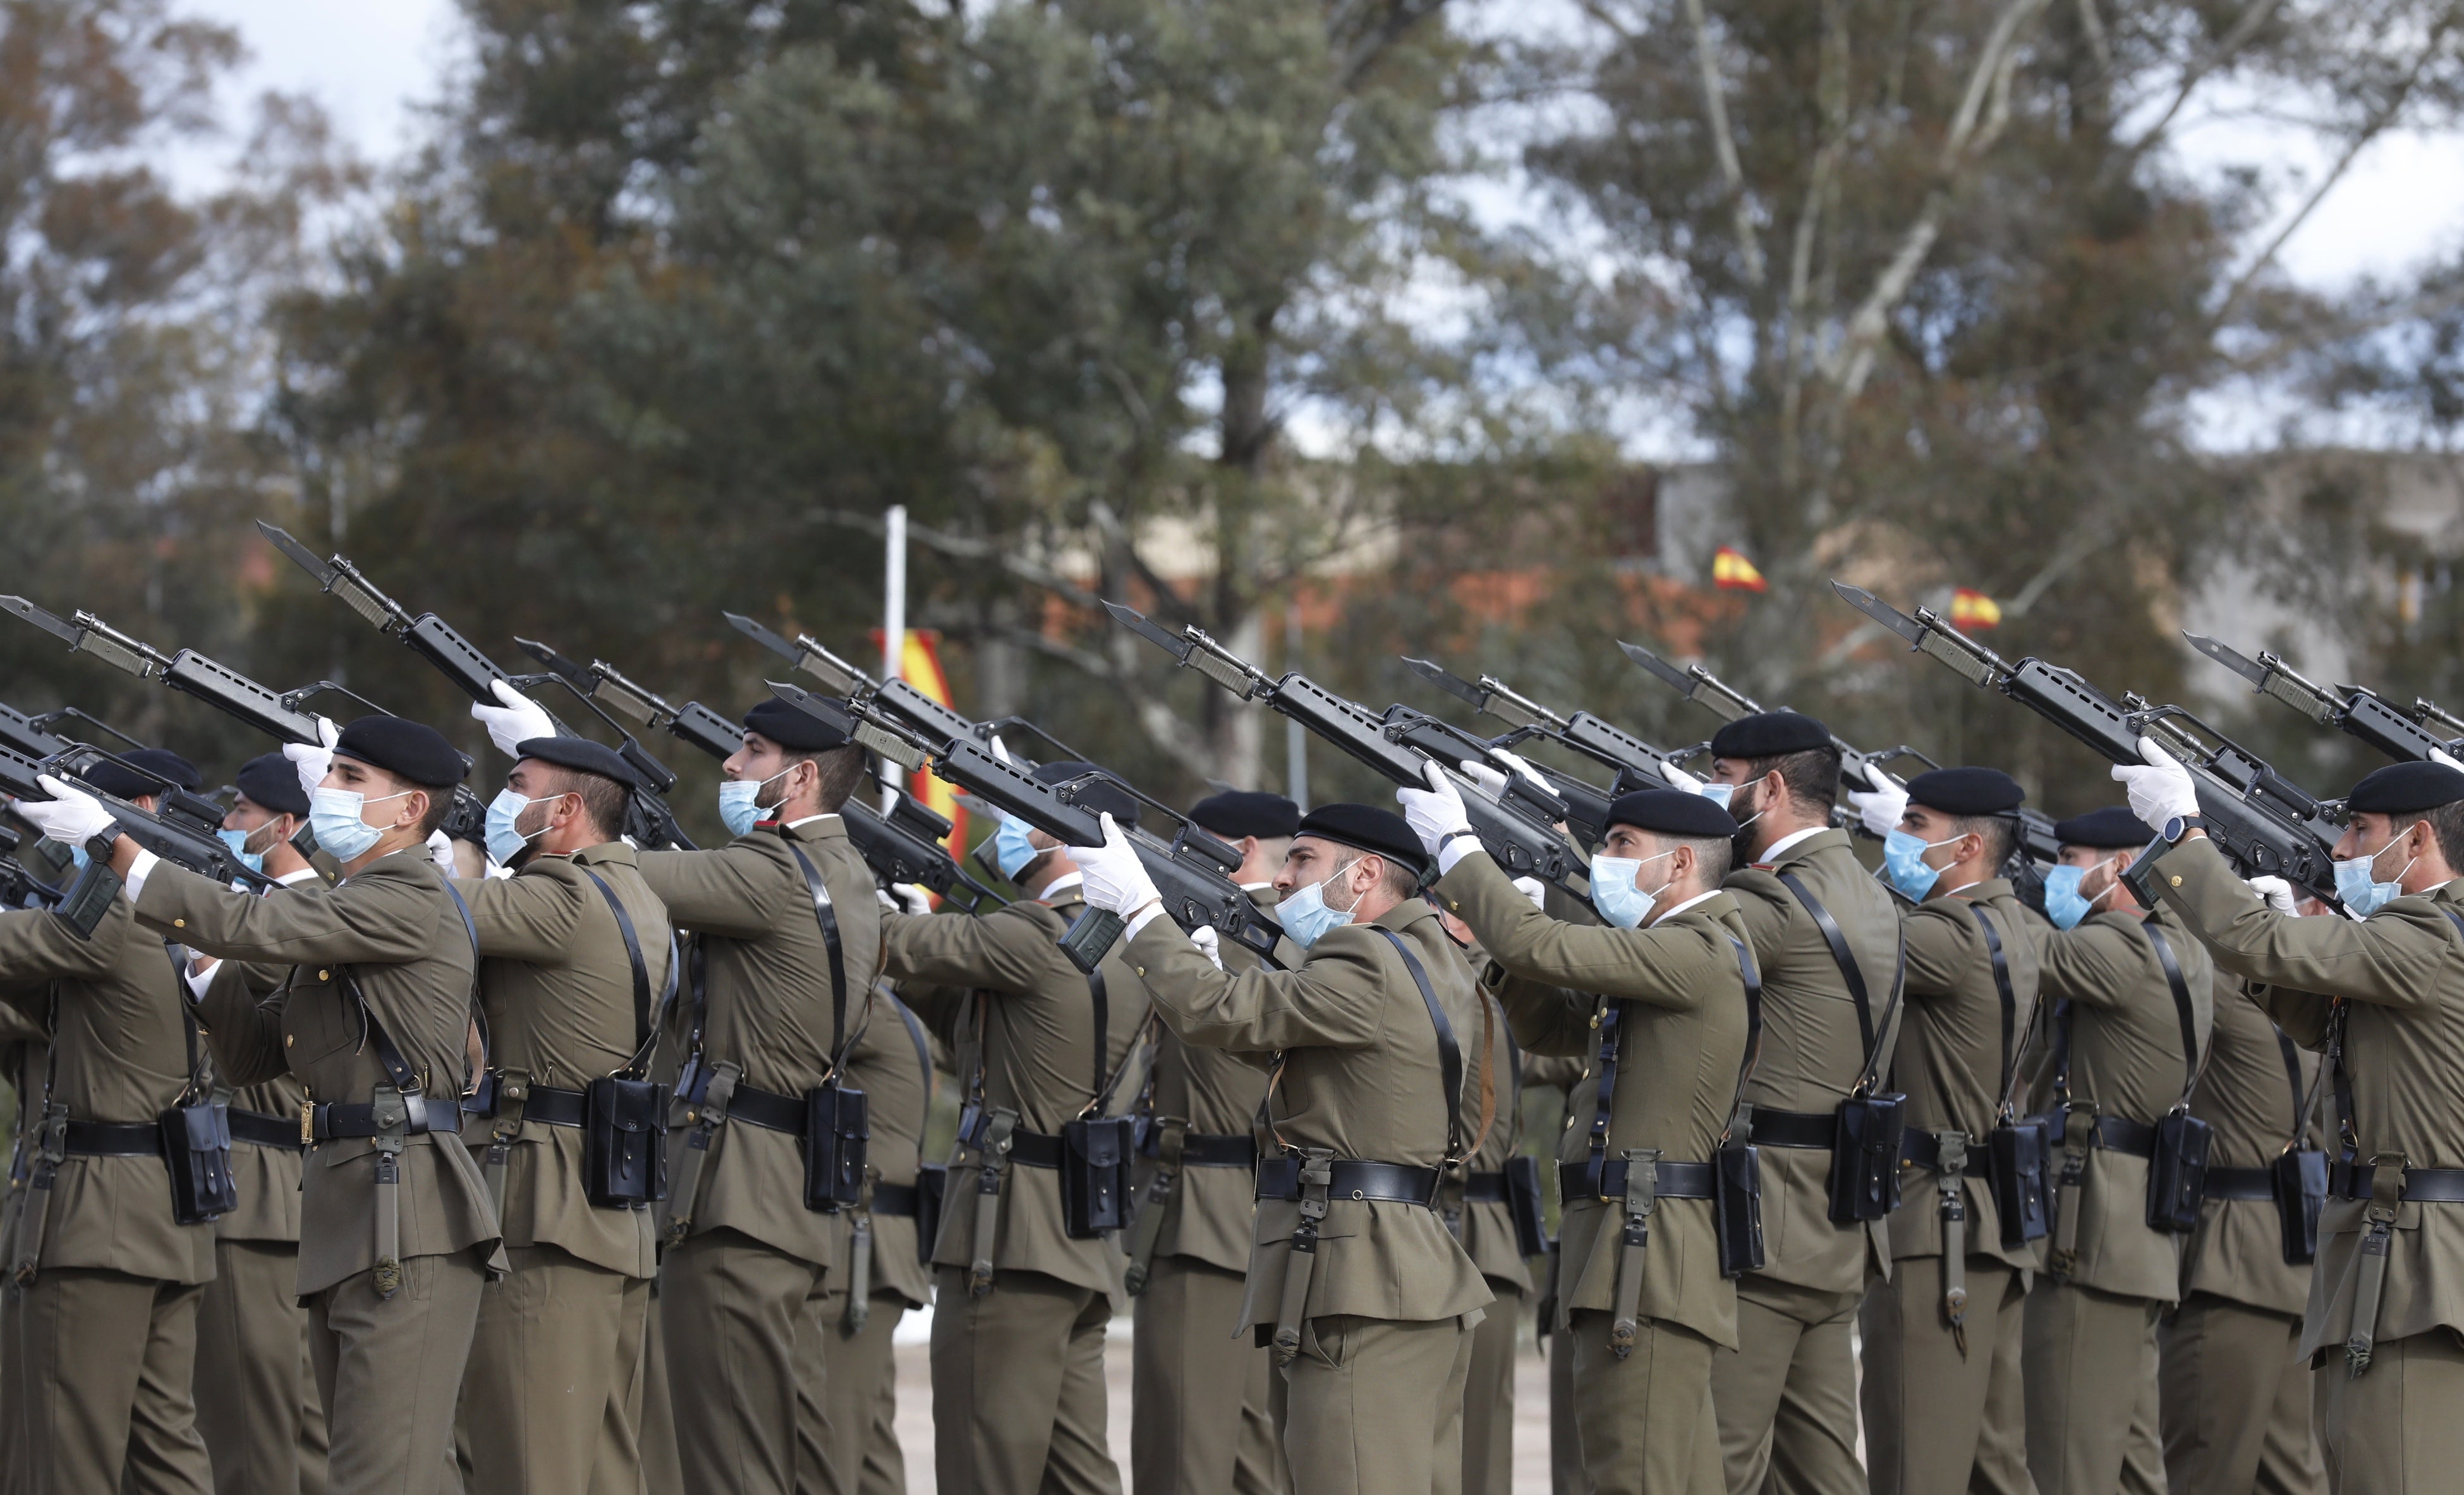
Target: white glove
x,y
2442,756
2159,790
440,850
2278,892
516,721
70,817
1522,765
1209,944
910,899
1490,779
1533,889
1436,812
1680,778
1880,809
312,761
1116,878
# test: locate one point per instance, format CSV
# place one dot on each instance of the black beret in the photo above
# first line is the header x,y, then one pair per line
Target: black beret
x,y
1769,735
1365,827
793,728
272,781
1673,812
1104,794
2104,829
2403,788
143,771
581,755
1236,813
408,750
1966,791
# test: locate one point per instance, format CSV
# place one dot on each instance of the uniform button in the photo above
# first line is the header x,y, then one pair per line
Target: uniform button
x,y
286,1040
2177,879
1142,970
1358,1195
324,975
179,923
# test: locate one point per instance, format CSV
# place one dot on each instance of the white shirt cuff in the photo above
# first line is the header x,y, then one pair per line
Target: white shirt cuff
x,y
1145,916
137,872
1455,850
199,980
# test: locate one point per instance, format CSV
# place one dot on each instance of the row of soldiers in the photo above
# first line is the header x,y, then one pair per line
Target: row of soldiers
x,y
1327,1260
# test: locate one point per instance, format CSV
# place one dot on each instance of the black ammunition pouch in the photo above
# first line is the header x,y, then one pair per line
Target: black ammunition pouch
x,y
196,1150
932,1185
1737,1206
838,1129
624,1142
2299,1176
1524,1204
2019,1154
2177,1172
1095,1161
1865,1158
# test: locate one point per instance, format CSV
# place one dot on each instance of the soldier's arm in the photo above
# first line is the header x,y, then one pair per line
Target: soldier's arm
x,y
243,1027
38,947
18,1027
2096,964
1941,939
2395,959
1545,1018
1663,968
530,916
1320,1005
368,920
730,891
999,952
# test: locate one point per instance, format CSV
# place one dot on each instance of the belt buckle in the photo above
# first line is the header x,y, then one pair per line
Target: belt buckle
x,y
307,1123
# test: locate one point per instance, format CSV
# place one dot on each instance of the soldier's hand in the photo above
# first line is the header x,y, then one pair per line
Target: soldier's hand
x,y
1116,879
908,898
312,760
2159,789
1491,780
1879,809
2278,892
1435,813
1680,778
514,721
1209,944
71,817
1534,889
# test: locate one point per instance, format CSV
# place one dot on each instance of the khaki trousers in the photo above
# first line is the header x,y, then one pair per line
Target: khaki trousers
x,y
256,1395
1376,1405
1645,1423
389,1372
742,1324
96,1386
2236,1401
1565,1444
860,1400
661,1470
1786,1400
1018,1387
552,1395
1928,1406
2089,1361
1488,1398
1199,1394
2398,1430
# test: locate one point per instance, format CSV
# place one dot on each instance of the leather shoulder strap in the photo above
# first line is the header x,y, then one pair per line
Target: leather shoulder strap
x,y
2002,990
907,1020
2182,1008
1754,983
826,915
1846,959
645,1028
1449,1053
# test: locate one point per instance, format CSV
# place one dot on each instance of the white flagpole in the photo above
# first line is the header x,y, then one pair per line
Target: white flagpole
x,y
893,623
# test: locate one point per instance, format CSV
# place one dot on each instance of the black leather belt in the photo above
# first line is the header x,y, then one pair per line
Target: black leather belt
x,y
1924,1150
1675,1180
894,1199
1811,1130
2121,1134
1484,1188
115,1139
1208,1149
2239,1183
767,1109
2421,1185
259,1130
547,1104
1391,1183
1034,1149
339,1121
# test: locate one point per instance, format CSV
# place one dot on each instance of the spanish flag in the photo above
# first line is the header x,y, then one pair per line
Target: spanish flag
x,y
919,665
1732,572
1971,611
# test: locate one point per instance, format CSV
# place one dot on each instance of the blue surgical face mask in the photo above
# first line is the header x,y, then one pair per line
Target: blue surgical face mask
x,y
2356,887
1613,893
1904,863
1306,917
238,841
740,806
77,857
504,842
2064,904
1718,793
334,816
1012,852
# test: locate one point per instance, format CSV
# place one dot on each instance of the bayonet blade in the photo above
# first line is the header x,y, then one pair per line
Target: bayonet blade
x,y
2232,659
762,636
1147,629
1674,678
50,622
1446,680
572,670
1882,612
301,556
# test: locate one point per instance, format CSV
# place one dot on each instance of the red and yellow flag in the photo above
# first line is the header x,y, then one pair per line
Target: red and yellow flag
x,y
919,665
1732,572
1971,611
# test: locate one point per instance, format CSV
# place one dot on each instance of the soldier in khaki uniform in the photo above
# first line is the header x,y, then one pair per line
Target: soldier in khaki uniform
x,y
1786,1399
1944,1410
1642,1304
256,1389
102,1343
1385,1078
1019,1313
1198,1401
2235,1396
1562,1073
2117,1063
787,978
575,953
2384,997
396,1235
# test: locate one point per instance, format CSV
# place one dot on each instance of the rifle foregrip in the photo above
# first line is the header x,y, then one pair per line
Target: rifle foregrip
x,y
461,662
237,696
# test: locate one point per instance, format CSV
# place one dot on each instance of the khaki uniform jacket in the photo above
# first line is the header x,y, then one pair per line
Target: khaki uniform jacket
x,y
2246,1095
1006,1000
397,930
558,989
1486,1227
2125,1060
1360,1076
2403,971
118,1053
1218,1092
769,1009
1680,1043
897,1086
1950,1062
1813,1054
268,1177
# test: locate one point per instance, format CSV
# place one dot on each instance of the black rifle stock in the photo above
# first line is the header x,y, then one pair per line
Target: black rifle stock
x,y
2263,822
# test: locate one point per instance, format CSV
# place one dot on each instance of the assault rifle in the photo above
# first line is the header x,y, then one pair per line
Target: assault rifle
x,y
1191,872
903,845
1517,828
2264,822
179,830
2354,710
647,820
